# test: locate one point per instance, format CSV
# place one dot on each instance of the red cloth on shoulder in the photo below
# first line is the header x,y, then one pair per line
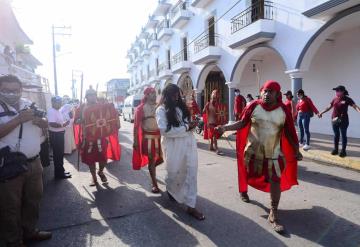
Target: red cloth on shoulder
x,y
139,160
289,174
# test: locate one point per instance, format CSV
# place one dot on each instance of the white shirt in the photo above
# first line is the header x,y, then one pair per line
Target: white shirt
x,y
31,137
55,116
174,132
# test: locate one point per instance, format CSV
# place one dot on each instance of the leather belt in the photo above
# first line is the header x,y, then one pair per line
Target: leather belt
x,y
32,158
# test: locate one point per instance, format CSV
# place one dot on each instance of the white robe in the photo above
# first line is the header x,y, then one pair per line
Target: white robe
x,y
181,158
69,139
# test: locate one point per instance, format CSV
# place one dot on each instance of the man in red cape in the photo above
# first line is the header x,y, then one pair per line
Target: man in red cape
x,y
267,159
147,146
100,150
214,114
239,104
194,108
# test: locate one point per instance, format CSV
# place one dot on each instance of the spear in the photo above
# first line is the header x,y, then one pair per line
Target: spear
x,y
81,120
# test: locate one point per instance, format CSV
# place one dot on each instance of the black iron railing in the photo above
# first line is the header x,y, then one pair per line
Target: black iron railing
x,y
204,42
259,10
164,66
180,57
181,5
152,37
163,24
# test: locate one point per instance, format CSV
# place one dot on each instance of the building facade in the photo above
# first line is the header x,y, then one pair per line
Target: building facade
x,y
226,44
117,90
16,58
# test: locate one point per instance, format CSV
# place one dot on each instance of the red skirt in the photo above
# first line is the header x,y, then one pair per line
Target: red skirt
x,y
93,152
151,146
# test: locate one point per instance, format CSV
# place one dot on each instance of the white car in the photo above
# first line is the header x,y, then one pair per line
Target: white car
x,y
130,104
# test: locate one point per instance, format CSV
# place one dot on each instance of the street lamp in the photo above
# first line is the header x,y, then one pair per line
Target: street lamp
x,y
54,28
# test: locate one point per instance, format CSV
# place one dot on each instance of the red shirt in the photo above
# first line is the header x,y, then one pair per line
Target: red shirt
x,y
306,105
239,104
341,106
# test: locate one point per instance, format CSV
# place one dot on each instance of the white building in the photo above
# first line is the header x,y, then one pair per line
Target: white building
x,y
116,90
227,44
16,58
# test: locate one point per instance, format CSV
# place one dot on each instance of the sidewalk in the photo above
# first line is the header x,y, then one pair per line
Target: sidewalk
x,y
322,145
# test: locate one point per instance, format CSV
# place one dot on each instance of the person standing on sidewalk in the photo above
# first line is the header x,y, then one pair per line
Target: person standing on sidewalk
x,y
20,196
340,117
239,104
289,103
180,149
267,159
147,146
57,126
305,110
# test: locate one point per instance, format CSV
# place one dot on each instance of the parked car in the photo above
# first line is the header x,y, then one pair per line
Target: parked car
x,y
130,103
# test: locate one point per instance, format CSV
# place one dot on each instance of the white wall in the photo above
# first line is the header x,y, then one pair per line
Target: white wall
x,y
336,62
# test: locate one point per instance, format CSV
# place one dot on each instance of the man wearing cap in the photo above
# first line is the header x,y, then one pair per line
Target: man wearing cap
x,y
239,104
215,113
104,147
340,117
267,160
289,103
57,126
147,147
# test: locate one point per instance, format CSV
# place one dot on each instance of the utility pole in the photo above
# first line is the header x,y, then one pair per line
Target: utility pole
x,y
53,28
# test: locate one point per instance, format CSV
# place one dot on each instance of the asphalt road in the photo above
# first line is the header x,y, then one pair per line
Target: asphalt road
x,y
324,210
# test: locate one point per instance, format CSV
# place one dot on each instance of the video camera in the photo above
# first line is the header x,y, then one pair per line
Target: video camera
x,y
37,112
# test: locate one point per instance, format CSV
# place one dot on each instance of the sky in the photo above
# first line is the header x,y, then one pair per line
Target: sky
x,y
101,33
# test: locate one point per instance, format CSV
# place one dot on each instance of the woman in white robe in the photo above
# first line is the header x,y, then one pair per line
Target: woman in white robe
x,y
67,111
179,149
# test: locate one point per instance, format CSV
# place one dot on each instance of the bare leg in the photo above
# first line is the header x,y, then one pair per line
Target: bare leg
x,y
275,194
92,168
101,172
152,170
212,144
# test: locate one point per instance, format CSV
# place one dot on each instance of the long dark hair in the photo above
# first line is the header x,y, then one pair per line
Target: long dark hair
x,y
170,106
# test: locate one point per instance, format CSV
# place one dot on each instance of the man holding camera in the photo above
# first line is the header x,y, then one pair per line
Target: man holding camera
x,y
21,131
57,127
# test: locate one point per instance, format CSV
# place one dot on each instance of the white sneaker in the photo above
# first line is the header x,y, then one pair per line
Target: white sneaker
x,y
306,147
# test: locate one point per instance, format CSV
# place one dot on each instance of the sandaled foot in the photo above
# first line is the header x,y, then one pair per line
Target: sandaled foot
x,y
102,176
155,190
219,153
245,197
275,223
170,197
195,213
93,183
212,149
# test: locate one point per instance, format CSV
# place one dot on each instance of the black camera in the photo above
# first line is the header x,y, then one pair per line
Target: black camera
x,y
37,112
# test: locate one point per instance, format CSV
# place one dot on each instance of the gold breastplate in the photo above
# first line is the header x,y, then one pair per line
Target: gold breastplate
x,y
265,133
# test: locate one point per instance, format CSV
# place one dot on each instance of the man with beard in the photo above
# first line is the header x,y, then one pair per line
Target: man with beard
x,y
147,147
267,160
214,115
180,149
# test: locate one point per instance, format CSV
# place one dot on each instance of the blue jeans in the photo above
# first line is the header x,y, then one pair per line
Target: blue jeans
x,y
340,128
304,124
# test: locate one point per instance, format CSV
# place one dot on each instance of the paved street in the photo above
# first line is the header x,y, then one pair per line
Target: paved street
x,y
322,211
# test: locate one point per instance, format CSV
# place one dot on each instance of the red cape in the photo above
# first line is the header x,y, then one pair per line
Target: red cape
x,y
219,119
240,101
289,174
138,159
113,151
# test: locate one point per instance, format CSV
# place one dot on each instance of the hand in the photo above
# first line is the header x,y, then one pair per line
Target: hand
x,y
192,125
26,115
299,156
220,129
319,115
40,122
66,123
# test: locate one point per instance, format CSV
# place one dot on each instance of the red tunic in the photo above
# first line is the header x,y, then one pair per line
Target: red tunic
x,y
239,104
288,176
221,119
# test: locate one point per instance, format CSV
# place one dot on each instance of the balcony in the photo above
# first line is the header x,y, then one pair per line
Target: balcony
x,y
162,8
253,26
152,22
180,14
200,3
322,8
164,31
165,70
139,60
154,43
180,63
153,76
145,53
28,78
206,50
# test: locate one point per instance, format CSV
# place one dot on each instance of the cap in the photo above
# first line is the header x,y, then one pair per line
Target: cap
x,y
288,93
340,88
56,99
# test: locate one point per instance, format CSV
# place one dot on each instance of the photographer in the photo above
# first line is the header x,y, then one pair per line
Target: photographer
x,y
57,126
21,132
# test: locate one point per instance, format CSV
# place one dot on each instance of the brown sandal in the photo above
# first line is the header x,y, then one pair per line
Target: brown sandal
x,y
94,183
102,176
195,213
274,223
155,190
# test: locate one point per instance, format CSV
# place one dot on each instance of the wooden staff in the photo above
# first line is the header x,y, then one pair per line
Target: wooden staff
x,y
81,121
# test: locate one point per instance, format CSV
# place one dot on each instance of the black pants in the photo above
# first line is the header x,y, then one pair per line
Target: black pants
x,y
340,128
57,144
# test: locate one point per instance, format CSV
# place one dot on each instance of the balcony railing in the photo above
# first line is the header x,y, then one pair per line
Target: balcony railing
x,y
163,24
164,66
204,42
257,11
181,5
152,37
180,57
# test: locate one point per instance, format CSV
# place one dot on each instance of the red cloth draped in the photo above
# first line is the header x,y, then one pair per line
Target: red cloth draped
x,y
221,119
110,145
139,160
289,173
239,104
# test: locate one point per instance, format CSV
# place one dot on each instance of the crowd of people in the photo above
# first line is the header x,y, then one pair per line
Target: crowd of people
x,y
267,145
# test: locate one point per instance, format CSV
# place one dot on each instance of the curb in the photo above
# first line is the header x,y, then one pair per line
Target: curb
x,y
326,157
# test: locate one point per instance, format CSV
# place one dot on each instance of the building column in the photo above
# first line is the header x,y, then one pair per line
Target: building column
x,y
231,87
296,81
